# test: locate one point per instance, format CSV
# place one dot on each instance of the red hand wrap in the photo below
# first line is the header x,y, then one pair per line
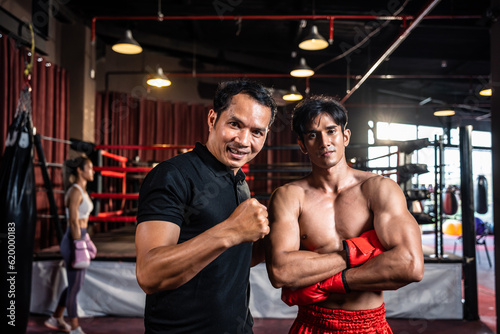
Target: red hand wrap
x,y
303,296
361,249
336,284
316,292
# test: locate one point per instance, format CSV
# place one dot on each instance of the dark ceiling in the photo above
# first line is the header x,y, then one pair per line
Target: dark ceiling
x,y
445,58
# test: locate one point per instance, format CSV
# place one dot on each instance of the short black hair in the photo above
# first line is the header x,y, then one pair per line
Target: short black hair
x,y
309,108
226,90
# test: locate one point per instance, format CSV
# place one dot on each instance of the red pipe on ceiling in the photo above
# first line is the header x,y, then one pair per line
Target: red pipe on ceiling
x,y
278,17
404,18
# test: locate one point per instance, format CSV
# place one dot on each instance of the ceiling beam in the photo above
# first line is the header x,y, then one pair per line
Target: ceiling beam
x,y
427,9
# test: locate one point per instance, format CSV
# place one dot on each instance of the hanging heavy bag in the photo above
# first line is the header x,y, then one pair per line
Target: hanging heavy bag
x,y
481,194
17,218
450,201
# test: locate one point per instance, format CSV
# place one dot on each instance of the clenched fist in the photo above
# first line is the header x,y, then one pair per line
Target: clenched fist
x,y
249,221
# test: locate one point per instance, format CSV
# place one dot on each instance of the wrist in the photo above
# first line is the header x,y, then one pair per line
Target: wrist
x,y
336,284
345,254
344,281
224,235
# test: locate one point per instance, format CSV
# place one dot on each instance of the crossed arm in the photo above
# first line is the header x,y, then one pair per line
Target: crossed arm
x,y
401,264
287,264
397,230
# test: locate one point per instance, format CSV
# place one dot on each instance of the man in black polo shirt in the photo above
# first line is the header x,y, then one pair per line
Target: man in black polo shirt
x,y
197,223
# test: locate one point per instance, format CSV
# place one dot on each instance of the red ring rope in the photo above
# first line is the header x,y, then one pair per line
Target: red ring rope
x,y
142,147
123,169
114,156
114,196
113,219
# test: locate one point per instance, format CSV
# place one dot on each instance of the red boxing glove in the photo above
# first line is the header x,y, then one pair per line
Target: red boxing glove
x,y
316,292
303,296
361,249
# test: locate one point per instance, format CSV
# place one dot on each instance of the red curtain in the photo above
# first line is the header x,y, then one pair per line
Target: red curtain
x,y
50,118
124,120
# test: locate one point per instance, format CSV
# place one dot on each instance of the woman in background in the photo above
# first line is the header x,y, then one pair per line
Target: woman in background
x,y
76,247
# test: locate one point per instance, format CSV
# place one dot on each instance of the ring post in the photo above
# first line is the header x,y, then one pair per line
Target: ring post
x,y
471,311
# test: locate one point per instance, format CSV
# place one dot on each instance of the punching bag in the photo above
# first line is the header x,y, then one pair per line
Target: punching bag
x,y
17,218
481,195
450,201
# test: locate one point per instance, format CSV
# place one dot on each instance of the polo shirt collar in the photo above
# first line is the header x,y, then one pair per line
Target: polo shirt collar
x,y
217,167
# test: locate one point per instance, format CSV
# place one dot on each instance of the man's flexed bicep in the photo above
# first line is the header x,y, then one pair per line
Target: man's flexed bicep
x,y
152,241
283,238
402,262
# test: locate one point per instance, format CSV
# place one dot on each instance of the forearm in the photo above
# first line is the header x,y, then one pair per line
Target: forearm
x,y
388,271
75,228
289,270
258,252
168,267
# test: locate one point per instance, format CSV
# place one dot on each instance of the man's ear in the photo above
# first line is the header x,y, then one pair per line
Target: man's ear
x,y
302,147
212,118
347,137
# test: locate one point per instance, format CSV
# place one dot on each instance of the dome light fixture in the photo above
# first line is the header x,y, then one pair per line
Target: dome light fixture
x,y
302,70
159,79
127,45
441,112
292,95
314,41
486,91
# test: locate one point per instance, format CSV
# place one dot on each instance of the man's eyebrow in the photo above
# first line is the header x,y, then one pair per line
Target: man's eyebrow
x,y
237,120
330,127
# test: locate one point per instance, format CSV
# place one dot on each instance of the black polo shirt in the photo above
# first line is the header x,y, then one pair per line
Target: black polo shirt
x,y
196,191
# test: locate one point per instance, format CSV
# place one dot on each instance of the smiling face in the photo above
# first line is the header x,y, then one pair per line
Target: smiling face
x,y
324,141
239,132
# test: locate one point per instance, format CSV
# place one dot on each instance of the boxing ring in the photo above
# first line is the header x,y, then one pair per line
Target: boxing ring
x,y
110,284
111,289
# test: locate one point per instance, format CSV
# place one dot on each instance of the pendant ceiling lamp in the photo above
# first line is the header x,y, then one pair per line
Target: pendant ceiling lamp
x,y
159,79
441,112
486,91
127,45
314,41
293,95
302,70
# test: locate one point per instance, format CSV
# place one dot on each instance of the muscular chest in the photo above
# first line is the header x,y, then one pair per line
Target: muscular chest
x,y
327,219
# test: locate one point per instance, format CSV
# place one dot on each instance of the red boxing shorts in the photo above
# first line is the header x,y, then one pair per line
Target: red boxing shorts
x,y
313,319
